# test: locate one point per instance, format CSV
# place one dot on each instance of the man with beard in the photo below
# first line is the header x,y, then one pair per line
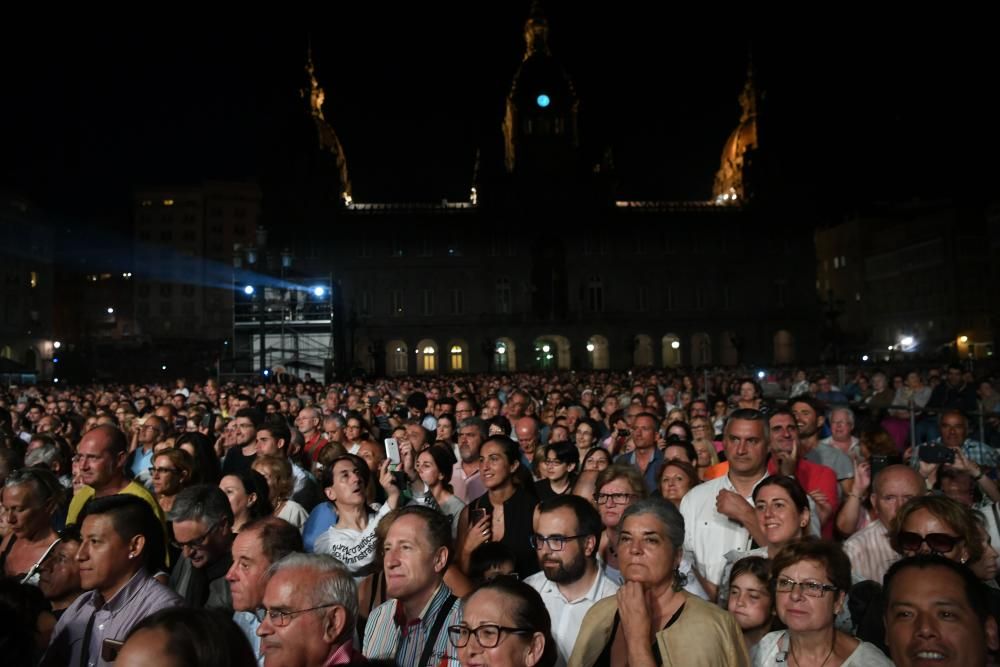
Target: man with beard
x,y
809,416
567,534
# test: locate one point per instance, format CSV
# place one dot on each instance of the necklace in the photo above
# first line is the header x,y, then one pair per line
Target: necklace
x,y
791,649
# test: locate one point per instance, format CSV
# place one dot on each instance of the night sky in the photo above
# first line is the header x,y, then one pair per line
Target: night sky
x,y
861,109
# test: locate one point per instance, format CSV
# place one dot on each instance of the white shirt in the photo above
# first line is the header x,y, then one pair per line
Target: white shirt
x,y
708,535
567,615
870,553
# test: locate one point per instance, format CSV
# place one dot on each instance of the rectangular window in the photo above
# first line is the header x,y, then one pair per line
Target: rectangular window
x,y
187,290
668,299
396,303
426,247
166,291
456,302
503,296
33,279
166,308
642,299
595,295
397,247
428,302
366,303
454,249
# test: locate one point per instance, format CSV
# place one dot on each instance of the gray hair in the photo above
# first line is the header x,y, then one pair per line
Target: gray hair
x,y
336,417
749,415
331,582
478,423
663,511
46,484
202,502
847,411
44,455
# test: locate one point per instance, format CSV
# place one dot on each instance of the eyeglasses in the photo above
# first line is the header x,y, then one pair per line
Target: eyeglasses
x,y
196,543
161,471
280,619
554,462
813,589
613,498
939,543
553,542
487,635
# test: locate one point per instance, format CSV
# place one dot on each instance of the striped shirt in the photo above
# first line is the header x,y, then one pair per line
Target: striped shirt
x,y
870,553
388,636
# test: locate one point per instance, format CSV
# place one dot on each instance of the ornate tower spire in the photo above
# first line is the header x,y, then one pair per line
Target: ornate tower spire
x,y
732,181
328,140
540,123
536,32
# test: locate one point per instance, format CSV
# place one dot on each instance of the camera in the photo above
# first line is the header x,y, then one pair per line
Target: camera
x,y
879,463
936,454
624,433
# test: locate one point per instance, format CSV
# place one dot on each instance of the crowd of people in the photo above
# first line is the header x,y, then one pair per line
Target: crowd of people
x,y
578,518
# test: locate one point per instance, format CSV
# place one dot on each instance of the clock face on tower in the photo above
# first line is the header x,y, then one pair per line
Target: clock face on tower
x,y
542,100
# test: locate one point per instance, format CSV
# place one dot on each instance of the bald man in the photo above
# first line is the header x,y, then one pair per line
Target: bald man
x,y
869,550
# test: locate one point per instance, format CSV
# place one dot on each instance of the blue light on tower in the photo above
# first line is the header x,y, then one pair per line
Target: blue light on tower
x,y
248,290
543,100
318,292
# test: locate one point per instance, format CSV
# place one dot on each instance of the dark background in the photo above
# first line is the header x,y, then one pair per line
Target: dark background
x,y
860,108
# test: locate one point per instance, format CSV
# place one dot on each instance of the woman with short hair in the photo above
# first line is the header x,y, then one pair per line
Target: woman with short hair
x,y
652,619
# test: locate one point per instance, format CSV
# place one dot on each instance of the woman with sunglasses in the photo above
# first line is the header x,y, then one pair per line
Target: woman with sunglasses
x,y
504,624
936,524
810,579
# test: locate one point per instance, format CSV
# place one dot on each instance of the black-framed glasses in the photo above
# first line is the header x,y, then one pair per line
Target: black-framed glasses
x,y
280,619
553,542
554,462
613,498
160,471
813,589
939,543
487,634
197,542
